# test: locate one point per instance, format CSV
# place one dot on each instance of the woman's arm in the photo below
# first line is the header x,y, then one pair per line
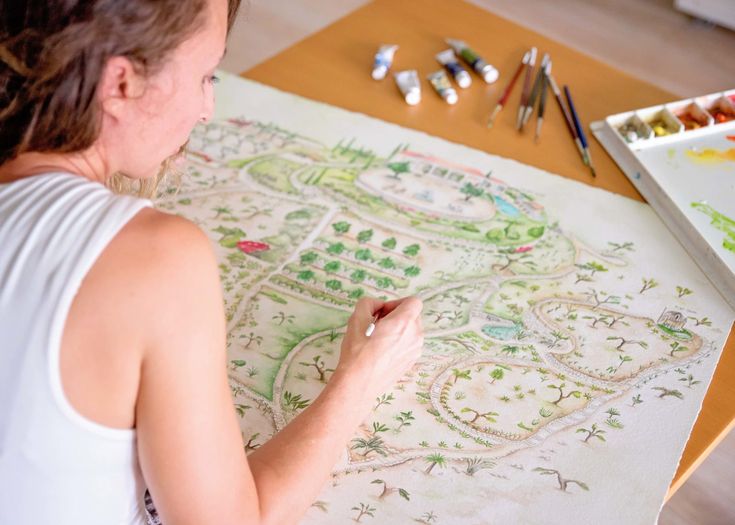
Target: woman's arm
x,y
189,443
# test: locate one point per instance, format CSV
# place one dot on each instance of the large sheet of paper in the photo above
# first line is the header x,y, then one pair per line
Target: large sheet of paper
x,y
569,338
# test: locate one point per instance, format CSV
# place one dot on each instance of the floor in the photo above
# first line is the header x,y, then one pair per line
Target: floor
x,y
645,38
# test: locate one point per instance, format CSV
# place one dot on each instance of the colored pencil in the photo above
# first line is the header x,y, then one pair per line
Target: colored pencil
x,y
506,93
580,129
542,102
526,87
535,91
567,118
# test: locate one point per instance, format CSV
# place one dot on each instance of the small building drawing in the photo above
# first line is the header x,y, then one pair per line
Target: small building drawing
x,y
672,320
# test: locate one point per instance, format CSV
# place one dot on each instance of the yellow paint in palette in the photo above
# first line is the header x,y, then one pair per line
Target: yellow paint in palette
x,y
711,155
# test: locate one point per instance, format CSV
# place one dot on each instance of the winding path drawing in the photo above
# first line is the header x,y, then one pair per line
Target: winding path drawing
x,y
567,350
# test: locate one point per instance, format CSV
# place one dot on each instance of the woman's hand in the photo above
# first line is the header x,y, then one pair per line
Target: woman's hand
x,y
390,351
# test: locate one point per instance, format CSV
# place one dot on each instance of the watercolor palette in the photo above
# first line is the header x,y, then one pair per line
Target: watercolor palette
x,y
681,157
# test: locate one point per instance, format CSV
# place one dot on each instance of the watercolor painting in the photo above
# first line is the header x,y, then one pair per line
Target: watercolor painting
x,y
565,327
698,176
721,222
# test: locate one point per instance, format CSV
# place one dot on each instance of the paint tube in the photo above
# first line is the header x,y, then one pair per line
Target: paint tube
x,y
447,59
383,61
440,82
408,83
488,73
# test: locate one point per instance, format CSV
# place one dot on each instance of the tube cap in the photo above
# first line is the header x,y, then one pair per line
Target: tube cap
x,y
490,74
451,97
379,72
413,97
463,79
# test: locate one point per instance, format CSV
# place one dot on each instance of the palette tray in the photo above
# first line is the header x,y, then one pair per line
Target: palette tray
x,y
681,158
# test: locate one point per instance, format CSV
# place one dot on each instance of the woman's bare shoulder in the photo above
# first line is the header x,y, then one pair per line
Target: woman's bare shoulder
x,y
158,265
153,289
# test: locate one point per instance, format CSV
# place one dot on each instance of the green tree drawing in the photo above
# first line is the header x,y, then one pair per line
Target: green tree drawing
x,y
372,444
677,347
252,338
356,293
411,271
389,243
665,392
336,248
434,460
624,341
293,402
562,396
398,168
364,236
592,432
363,510
489,416
384,399
332,267
497,375
358,276
281,318
308,258
622,359
411,250
363,255
230,236
689,380
222,210
341,227
470,190
305,275
563,483
404,419
648,284
237,363
458,373
318,364
334,285
387,490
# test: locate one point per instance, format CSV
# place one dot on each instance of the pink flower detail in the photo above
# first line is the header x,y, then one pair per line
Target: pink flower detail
x,y
523,249
252,246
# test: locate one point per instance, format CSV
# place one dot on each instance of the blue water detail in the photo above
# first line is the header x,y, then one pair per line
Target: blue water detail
x,y
505,207
503,333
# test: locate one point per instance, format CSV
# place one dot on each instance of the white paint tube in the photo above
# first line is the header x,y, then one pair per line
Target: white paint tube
x,y
383,60
440,81
408,83
448,59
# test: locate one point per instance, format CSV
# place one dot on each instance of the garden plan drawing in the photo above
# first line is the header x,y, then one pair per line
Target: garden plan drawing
x,y
569,338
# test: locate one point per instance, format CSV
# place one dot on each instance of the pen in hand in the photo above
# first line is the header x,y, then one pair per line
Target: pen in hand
x,y
371,326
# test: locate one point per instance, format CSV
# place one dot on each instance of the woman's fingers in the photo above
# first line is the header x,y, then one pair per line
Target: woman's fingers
x,y
406,305
368,307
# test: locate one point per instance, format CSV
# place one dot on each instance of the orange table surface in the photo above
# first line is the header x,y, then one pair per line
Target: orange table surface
x,y
333,66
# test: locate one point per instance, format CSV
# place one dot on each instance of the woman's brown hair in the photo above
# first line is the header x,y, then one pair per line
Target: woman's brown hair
x,y
53,53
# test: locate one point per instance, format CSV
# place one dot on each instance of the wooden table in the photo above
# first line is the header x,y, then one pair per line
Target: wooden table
x,y
333,66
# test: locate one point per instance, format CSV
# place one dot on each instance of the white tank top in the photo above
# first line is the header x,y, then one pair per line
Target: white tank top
x,y
56,466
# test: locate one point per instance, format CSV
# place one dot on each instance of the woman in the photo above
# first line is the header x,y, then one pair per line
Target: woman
x,y
112,364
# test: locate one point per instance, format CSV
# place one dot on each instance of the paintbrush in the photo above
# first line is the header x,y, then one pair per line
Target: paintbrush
x,y
542,102
580,129
506,93
567,118
535,91
526,87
